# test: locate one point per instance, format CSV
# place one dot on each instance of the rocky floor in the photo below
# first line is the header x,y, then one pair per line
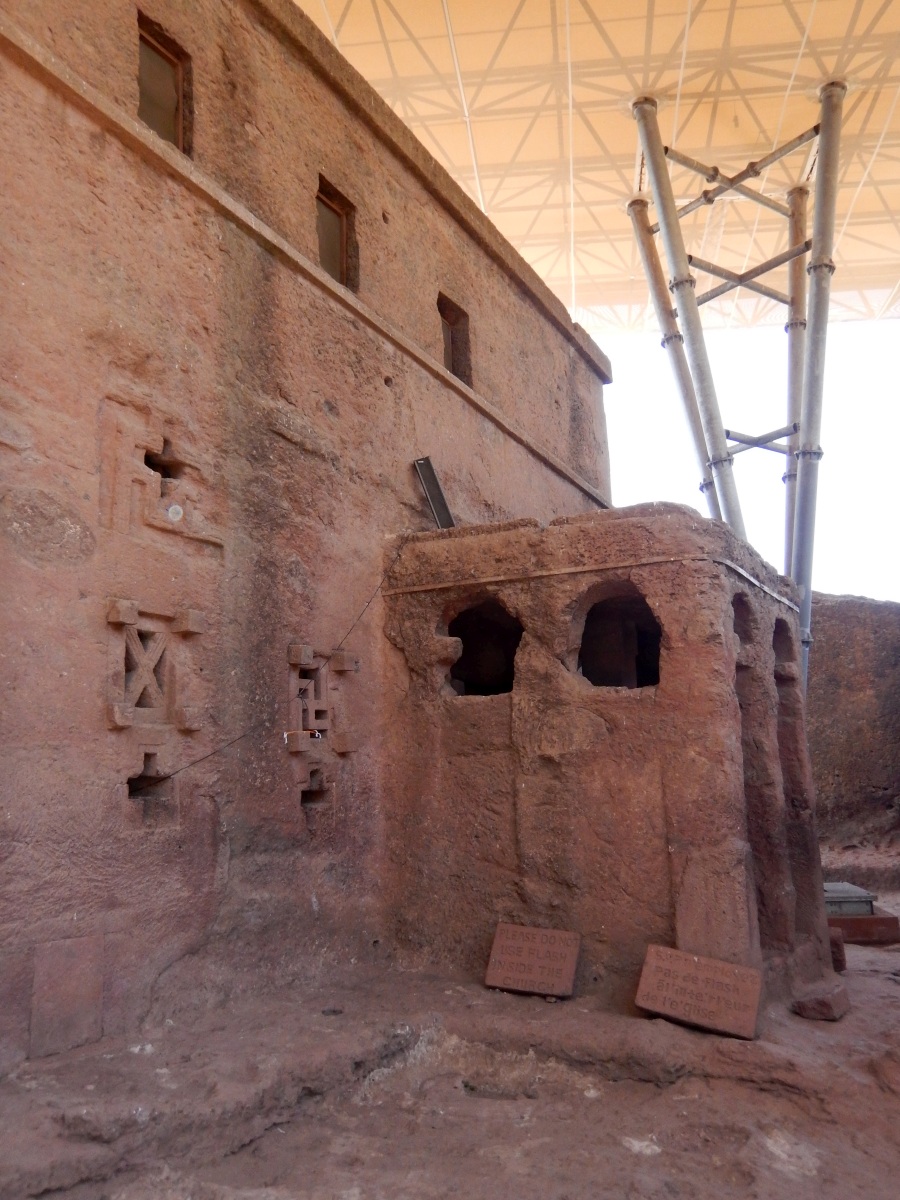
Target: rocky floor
x,y
381,1085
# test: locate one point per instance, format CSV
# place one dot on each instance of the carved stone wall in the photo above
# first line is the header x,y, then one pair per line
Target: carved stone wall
x,y
672,803
854,716
204,443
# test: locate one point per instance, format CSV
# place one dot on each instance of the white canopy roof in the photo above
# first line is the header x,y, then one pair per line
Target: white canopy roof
x,y
527,104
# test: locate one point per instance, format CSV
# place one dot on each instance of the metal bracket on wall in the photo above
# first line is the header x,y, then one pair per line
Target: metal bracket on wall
x,y
434,493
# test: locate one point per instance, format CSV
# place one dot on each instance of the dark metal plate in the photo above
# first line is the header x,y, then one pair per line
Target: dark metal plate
x,y
434,493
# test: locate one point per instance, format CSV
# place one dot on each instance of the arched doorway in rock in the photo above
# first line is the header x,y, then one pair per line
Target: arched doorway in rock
x,y
490,637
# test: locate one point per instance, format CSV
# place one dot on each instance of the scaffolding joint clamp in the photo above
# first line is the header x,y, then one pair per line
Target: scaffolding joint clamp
x,y
796,323
671,337
677,283
814,454
825,264
727,461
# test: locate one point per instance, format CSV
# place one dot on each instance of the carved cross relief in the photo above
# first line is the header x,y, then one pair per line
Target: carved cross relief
x,y
312,736
143,686
147,482
146,668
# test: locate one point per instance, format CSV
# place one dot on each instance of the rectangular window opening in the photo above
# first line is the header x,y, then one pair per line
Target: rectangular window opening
x,y
455,330
336,231
164,85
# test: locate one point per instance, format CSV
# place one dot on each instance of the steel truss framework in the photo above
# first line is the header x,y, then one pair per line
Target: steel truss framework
x,y
806,353
527,104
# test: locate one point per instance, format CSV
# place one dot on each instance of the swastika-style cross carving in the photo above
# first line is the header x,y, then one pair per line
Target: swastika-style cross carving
x,y
144,668
315,703
312,702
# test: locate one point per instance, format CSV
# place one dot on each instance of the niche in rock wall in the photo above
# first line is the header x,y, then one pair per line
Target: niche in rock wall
x,y
490,638
744,621
620,643
783,645
154,791
802,843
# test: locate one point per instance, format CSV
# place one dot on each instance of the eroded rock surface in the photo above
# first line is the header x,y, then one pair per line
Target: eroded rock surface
x,y
853,718
377,1083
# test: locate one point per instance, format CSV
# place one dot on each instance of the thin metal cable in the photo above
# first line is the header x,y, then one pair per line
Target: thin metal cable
x,y
684,46
865,175
260,724
465,105
764,180
330,23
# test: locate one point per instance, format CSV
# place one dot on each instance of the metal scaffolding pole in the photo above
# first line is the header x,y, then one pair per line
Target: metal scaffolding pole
x,y
752,171
796,331
682,285
820,270
673,344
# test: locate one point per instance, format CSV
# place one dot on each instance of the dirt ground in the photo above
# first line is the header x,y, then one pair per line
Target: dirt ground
x,y
374,1084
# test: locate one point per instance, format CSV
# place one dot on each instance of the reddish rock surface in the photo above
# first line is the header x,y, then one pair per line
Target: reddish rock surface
x,y
633,799
205,442
838,950
359,1082
243,793
828,1003
853,719
879,929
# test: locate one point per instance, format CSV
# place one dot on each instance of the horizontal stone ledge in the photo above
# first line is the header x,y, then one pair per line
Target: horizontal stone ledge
x,y
134,134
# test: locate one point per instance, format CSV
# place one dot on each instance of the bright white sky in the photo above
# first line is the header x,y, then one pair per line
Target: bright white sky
x,y
857,550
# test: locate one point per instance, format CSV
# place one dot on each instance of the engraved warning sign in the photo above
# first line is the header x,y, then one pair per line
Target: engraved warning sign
x,y
524,959
702,991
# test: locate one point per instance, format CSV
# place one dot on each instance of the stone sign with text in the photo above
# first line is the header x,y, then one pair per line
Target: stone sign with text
x,y
524,959
700,991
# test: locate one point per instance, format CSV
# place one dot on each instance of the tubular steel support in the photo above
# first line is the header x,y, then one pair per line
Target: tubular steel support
x,y
644,110
714,175
673,343
746,278
820,270
796,331
764,441
752,171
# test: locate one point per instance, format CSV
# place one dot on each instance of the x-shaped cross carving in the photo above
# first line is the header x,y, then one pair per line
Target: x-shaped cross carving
x,y
144,660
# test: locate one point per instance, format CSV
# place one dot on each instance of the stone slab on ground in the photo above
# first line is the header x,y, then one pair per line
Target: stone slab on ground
x,y
702,991
409,1085
541,961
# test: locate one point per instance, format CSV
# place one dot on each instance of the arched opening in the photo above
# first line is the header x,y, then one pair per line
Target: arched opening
x,y
744,620
620,644
490,638
783,643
